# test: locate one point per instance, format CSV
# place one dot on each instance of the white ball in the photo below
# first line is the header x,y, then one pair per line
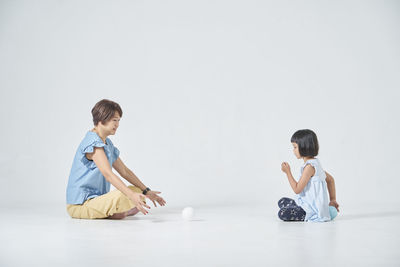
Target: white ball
x,y
187,213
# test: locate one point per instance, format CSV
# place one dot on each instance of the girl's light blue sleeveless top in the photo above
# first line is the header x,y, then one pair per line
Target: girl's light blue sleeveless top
x,y
314,197
85,179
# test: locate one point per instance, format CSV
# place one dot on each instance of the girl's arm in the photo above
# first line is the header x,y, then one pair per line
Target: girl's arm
x,y
297,187
101,161
126,173
330,182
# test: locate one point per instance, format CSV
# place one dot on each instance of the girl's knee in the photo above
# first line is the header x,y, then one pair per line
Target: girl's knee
x,y
281,200
281,214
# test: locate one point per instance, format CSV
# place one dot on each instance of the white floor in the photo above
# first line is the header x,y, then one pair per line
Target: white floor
x,y
220,236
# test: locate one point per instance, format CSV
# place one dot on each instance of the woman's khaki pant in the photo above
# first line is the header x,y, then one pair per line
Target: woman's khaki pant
x,y
103,206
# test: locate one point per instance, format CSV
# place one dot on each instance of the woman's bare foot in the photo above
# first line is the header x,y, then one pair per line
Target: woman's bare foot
x,y
118,216
132,212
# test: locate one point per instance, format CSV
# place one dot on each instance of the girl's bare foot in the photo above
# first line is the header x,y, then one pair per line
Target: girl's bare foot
x,y
118,216
132,212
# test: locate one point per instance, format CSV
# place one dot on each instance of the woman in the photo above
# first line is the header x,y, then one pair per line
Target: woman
x,y
88,195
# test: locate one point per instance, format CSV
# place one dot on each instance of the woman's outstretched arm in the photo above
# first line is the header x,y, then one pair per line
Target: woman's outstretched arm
x,y
100,159
128,175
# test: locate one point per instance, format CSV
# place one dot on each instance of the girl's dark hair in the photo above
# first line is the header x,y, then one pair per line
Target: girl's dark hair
x,y
307,142
104,110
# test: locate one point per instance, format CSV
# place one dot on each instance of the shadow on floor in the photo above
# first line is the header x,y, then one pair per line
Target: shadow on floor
x,y
158,219
370,215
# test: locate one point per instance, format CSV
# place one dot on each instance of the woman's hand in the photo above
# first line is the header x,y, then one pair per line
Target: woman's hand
x,y
153,196
335,204
138,201
285,167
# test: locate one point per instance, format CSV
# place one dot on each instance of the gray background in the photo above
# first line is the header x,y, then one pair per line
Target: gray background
x,y
211,93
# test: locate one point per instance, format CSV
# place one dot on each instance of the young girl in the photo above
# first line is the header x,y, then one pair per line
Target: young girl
x,y
88,195
312,202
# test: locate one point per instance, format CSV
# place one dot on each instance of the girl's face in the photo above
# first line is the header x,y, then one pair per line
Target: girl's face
x,y
296,150
112,125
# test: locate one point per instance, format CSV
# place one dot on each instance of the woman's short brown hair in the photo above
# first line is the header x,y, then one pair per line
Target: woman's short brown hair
x,y
104,110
